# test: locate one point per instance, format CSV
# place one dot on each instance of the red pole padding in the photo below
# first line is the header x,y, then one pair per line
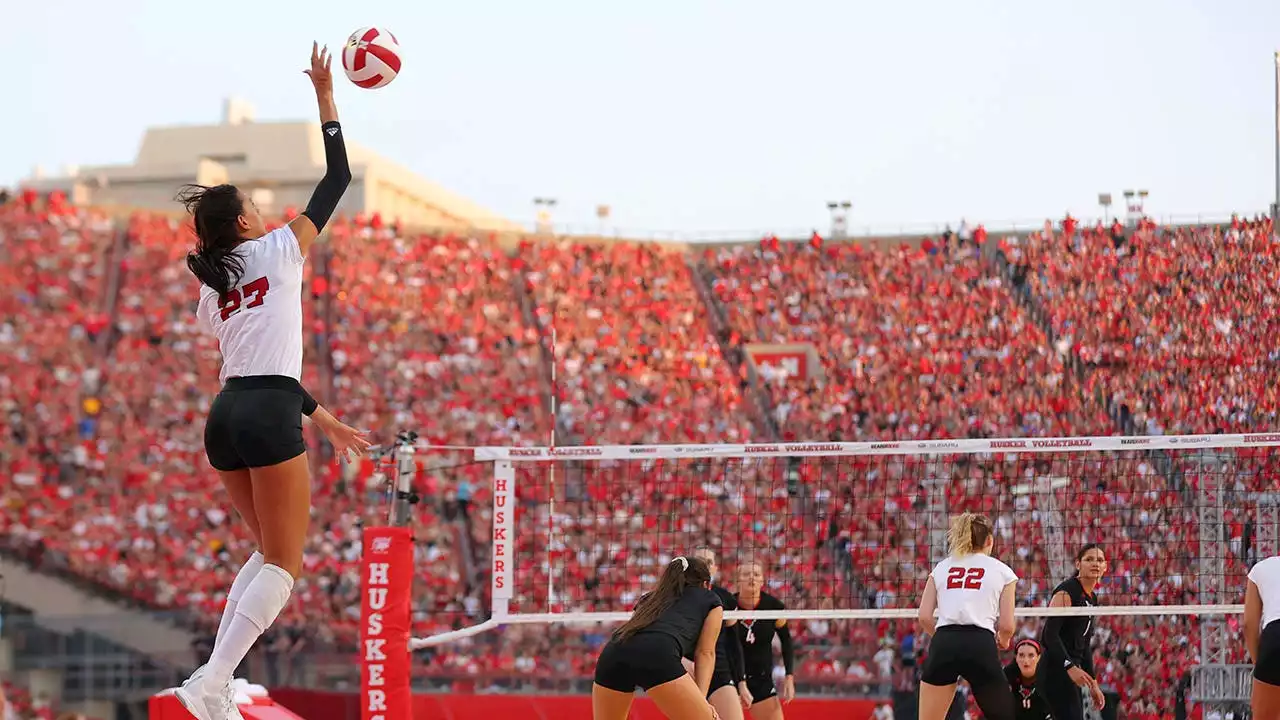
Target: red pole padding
x,y
384,624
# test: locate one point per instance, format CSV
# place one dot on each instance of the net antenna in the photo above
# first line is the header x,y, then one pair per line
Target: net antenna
x,y
1045,468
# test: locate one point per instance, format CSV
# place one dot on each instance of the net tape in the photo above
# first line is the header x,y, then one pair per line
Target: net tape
x,y
903,447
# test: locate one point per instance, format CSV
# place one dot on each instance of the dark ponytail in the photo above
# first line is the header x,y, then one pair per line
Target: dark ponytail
x,y
215,212
681,573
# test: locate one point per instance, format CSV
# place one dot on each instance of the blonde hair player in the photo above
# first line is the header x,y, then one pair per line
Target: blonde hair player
x,y
729,694
1262,636
967,607
757,646
680,618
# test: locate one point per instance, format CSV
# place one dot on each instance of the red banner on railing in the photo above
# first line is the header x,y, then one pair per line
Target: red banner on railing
x,y
384,624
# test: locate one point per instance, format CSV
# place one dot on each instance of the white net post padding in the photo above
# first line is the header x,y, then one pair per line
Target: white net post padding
x,y
1056,492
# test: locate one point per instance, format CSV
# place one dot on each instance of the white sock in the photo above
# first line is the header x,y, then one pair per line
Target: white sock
x,y
238,586
258,608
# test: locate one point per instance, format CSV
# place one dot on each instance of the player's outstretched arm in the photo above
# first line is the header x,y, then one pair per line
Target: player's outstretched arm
x,y
337,175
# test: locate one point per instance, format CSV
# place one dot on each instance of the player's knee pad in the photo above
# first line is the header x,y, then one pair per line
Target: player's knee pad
x,y
266,596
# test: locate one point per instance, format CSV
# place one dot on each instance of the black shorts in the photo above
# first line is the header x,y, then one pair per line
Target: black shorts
x,y
719,678
644,660
1266,667
969,652
1065,698
761,687
255,422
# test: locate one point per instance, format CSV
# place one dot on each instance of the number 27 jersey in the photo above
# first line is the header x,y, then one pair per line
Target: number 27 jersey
x,y
969,590
259,323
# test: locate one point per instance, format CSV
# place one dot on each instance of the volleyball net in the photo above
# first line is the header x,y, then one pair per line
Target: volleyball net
x,y
849,531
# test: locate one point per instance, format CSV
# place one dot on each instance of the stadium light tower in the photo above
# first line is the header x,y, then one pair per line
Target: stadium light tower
x,y
1275,206
839,218
1104,199
1135,202
542,222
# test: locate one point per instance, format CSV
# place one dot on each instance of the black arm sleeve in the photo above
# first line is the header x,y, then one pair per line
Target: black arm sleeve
x,y
337,175
788,649
1051,639
733,654
309,403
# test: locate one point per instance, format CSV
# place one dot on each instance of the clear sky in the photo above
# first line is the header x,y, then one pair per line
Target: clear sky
x,y
693,115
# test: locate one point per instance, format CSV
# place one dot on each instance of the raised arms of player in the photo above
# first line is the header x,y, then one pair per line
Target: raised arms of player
x,y
704,656
337,174
928,607
1252,620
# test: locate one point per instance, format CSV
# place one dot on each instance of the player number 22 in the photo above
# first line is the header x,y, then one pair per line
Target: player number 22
x,y
253,291
959,578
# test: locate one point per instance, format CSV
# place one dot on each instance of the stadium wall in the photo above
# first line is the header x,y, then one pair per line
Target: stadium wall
x,y
314,705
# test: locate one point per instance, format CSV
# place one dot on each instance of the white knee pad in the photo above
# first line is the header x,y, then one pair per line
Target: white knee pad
x,y
266,596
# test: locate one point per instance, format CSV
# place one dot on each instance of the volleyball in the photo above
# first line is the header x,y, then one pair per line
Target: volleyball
x,y
371,57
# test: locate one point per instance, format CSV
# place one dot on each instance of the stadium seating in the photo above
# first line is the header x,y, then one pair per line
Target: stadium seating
x,y
107,378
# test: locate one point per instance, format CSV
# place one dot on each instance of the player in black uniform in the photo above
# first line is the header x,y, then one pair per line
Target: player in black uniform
x,y
729,694
1021,673
1068,658
681,618
757,645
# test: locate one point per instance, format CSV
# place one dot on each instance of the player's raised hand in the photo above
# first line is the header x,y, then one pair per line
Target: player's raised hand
x,y
320,74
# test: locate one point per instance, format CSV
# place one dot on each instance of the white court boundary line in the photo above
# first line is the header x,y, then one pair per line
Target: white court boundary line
x,y
901,447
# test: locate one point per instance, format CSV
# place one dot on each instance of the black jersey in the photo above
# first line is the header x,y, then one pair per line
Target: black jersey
x,y
1067,640
757,637
684,619
1027,703
725,661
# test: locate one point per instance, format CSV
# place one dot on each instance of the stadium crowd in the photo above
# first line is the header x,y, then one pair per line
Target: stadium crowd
x,y
1069,331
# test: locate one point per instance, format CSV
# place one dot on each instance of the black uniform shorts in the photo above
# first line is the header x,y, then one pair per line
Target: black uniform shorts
x,y
644,660
1266,667
719,678
761,687
255,422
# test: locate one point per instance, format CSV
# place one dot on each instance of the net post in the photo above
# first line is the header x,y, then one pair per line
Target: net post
x,y
1211,676
1266,515
406,469
502,572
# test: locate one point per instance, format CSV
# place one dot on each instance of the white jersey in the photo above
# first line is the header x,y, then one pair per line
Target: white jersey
x,y
259,326
1266,575
969,590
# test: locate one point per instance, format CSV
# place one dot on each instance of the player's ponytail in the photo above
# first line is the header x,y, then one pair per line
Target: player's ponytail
x,y
215,212
968,534
680,573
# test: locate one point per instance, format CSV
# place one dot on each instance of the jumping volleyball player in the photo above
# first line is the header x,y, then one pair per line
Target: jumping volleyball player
x,y
1068,658
967,607
729,693
251,300
757,645
680,618
1262,636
